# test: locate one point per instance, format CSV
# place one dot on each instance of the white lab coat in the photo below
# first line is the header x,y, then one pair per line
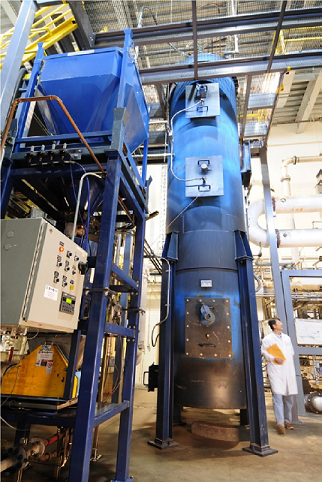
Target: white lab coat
x,y
282,377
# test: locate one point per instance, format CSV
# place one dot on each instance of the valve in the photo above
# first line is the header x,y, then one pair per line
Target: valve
x,y
207,315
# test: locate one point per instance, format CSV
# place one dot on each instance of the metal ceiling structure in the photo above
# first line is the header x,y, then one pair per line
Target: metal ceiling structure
x,y
272,48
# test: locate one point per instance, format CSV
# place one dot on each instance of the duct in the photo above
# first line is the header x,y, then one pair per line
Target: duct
x,y
286,238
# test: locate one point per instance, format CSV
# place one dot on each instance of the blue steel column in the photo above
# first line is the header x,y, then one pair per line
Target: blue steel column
x,y
23,123
279,300
251,347
163,434
123,455
125,60
124,303
81,452
145,157
14,56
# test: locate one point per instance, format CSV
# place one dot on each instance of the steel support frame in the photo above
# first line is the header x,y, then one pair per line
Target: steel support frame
x,y
251,348
165,402
279,299
119,180
13,59
164,423
299,350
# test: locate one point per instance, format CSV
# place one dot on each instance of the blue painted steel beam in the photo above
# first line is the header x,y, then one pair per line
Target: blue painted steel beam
x,y
109,411
114,329
124,300
51,419
124,442
14,56
44,172
127,192
127,44
121,276
164,423
65,137
81,452
251,347
72,363
23,110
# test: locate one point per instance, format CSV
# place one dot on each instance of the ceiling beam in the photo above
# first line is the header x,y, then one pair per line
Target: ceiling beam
x,y
84,35
11,14
309,98
195,34
247,94
214,27
161,100
277,35
230,67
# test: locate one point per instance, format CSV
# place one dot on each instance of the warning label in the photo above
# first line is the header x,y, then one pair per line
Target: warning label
x,y
51,293
45,359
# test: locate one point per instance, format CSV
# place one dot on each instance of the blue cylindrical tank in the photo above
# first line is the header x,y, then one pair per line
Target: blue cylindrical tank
x,y
208,358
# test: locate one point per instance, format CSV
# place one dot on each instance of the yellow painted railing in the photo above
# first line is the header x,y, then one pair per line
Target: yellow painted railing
x,y
49,33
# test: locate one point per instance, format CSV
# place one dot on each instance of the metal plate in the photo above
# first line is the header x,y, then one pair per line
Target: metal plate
x,y
214,182
211,103
208,341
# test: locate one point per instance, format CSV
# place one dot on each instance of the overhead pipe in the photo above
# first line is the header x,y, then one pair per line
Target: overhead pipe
x,y
286,181
286,238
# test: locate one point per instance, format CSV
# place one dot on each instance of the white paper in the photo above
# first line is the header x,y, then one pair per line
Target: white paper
x,y
51,293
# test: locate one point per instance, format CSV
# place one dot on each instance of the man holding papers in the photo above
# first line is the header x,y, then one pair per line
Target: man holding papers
x,y
278,350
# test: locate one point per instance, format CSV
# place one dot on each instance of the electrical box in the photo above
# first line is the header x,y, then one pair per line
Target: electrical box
x,y
41,282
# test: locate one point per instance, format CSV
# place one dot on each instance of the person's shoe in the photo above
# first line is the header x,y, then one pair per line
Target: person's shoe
x,y
289,426
280,428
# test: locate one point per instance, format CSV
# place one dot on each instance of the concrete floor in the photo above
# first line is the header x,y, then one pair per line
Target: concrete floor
x,y
197,459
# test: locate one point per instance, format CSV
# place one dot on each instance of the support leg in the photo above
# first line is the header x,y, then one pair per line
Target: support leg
x,y
251,346
81,452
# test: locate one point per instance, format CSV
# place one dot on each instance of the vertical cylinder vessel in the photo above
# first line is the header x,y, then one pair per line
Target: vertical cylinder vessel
x,y
205,209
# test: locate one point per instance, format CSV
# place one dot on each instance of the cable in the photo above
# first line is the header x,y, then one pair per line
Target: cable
x,y
172,141
33,336
14,386
181,212
11,426
78,198
88,200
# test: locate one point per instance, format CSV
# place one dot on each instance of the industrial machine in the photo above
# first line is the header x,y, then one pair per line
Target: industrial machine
x,y
209,340
73,222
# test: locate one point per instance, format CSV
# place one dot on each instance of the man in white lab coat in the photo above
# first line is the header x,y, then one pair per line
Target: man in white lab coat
x,y
278,350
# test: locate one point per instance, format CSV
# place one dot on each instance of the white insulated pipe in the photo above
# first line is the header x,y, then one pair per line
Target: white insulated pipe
x,y
286,238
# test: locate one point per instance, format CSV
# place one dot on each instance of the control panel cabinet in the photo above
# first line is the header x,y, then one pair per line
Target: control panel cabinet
x,y
41,284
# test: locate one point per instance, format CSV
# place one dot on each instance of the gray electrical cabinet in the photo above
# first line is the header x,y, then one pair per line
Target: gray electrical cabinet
x,y
41,284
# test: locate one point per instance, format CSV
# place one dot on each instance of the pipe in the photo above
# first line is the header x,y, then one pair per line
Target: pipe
x,y
286,181
296,160
19,455
286,238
